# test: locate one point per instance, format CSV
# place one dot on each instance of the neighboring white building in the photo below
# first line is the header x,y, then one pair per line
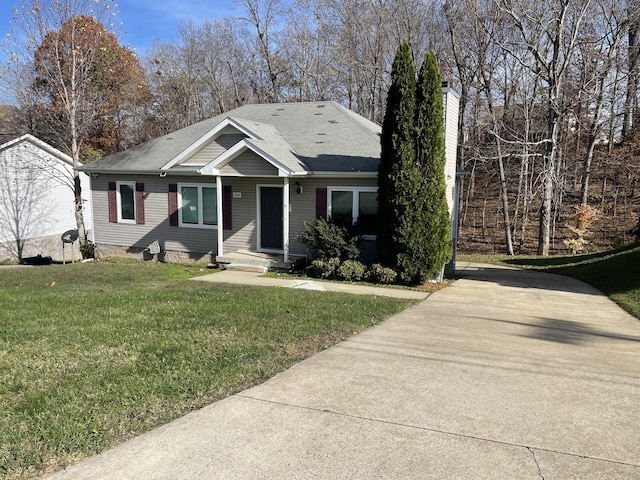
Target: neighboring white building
x,y
37,200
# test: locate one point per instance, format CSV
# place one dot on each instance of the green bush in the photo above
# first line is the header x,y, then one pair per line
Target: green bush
x,y
87,249
413,215
326,239
379,274
351,271
321,268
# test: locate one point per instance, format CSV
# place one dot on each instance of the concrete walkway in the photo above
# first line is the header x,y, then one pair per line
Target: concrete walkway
x,y
506,374
253,278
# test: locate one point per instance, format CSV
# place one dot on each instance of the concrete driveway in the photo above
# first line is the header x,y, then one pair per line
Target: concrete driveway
x,y
506,374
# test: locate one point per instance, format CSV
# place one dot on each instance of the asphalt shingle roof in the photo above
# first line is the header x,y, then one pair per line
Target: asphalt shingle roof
x,y
316,136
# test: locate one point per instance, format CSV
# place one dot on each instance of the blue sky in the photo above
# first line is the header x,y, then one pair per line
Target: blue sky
x,y
142,21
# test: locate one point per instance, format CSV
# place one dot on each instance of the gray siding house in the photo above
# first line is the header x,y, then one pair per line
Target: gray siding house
x,y
240,186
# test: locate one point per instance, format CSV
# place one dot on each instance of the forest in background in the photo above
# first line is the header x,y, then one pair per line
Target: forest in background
x,y
549,117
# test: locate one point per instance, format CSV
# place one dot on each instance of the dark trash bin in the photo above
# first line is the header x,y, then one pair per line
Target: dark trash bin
x,y
37,260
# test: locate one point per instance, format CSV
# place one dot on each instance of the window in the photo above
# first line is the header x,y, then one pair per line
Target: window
x,y
198,206
126,202
354,206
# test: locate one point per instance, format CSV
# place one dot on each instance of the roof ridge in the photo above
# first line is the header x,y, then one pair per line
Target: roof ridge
x,y
355,118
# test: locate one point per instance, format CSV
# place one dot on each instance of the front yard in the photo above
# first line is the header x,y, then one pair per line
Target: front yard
x,y
93,354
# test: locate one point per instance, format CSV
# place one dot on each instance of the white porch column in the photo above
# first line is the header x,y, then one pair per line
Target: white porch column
x,y
285,219
220,226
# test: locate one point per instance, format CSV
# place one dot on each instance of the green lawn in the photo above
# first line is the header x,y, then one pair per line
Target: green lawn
x,y
616,273
93,354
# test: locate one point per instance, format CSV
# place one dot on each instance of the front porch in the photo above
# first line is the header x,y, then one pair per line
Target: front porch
x,y
261,262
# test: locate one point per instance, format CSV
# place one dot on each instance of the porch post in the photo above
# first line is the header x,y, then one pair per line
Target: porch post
x,y
220,217
285,219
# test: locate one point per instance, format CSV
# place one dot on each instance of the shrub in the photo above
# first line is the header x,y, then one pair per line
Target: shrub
x,y
87,249
379,274
321,268
327,239
413,215
351,271
583,218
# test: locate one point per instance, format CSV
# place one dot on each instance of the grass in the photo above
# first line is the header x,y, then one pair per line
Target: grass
x,y
93,354
616,273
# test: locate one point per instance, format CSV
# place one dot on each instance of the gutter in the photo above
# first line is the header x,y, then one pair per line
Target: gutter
x,y
111,171
164,173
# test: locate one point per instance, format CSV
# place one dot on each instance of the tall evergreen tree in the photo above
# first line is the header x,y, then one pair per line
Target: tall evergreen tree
x,y
431,159
397,155
413,218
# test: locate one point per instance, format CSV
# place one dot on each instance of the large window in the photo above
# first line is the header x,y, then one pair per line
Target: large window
x,y
126,202
354,206
198,206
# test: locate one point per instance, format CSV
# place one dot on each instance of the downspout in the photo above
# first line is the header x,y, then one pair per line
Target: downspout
x,y
220,216
285,219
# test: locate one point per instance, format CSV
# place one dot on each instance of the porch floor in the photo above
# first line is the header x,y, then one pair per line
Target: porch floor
x,y
259,261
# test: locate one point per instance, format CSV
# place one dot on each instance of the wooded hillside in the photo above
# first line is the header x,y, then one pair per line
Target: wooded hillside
x,y
614,192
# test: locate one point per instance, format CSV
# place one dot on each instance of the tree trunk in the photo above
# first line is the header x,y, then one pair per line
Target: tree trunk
x,y
75,155
632,83
505,202
544,234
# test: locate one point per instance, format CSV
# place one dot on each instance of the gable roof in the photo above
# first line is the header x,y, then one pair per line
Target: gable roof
x,y
297,138
28,138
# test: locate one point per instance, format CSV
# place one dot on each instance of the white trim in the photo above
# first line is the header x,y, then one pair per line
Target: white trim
x,y
40,144
355,198
210,135
355,206
119,201
321,174
259,218
220,216
200,223
285,219
213,167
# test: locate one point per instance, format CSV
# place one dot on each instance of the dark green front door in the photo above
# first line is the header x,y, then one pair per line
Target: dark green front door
x,y
271,218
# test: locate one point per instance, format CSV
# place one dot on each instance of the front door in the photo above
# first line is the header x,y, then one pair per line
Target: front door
x,y
271,226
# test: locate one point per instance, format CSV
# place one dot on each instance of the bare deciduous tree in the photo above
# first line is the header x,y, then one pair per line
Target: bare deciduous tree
x,y
68,66
550,32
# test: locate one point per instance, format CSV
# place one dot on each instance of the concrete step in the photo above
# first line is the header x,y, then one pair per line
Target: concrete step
x,y
246,267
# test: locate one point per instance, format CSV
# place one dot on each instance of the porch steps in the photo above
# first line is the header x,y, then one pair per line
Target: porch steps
x,y
246,268
247,261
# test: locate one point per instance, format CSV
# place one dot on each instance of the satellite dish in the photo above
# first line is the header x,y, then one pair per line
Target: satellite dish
x,y
70,236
